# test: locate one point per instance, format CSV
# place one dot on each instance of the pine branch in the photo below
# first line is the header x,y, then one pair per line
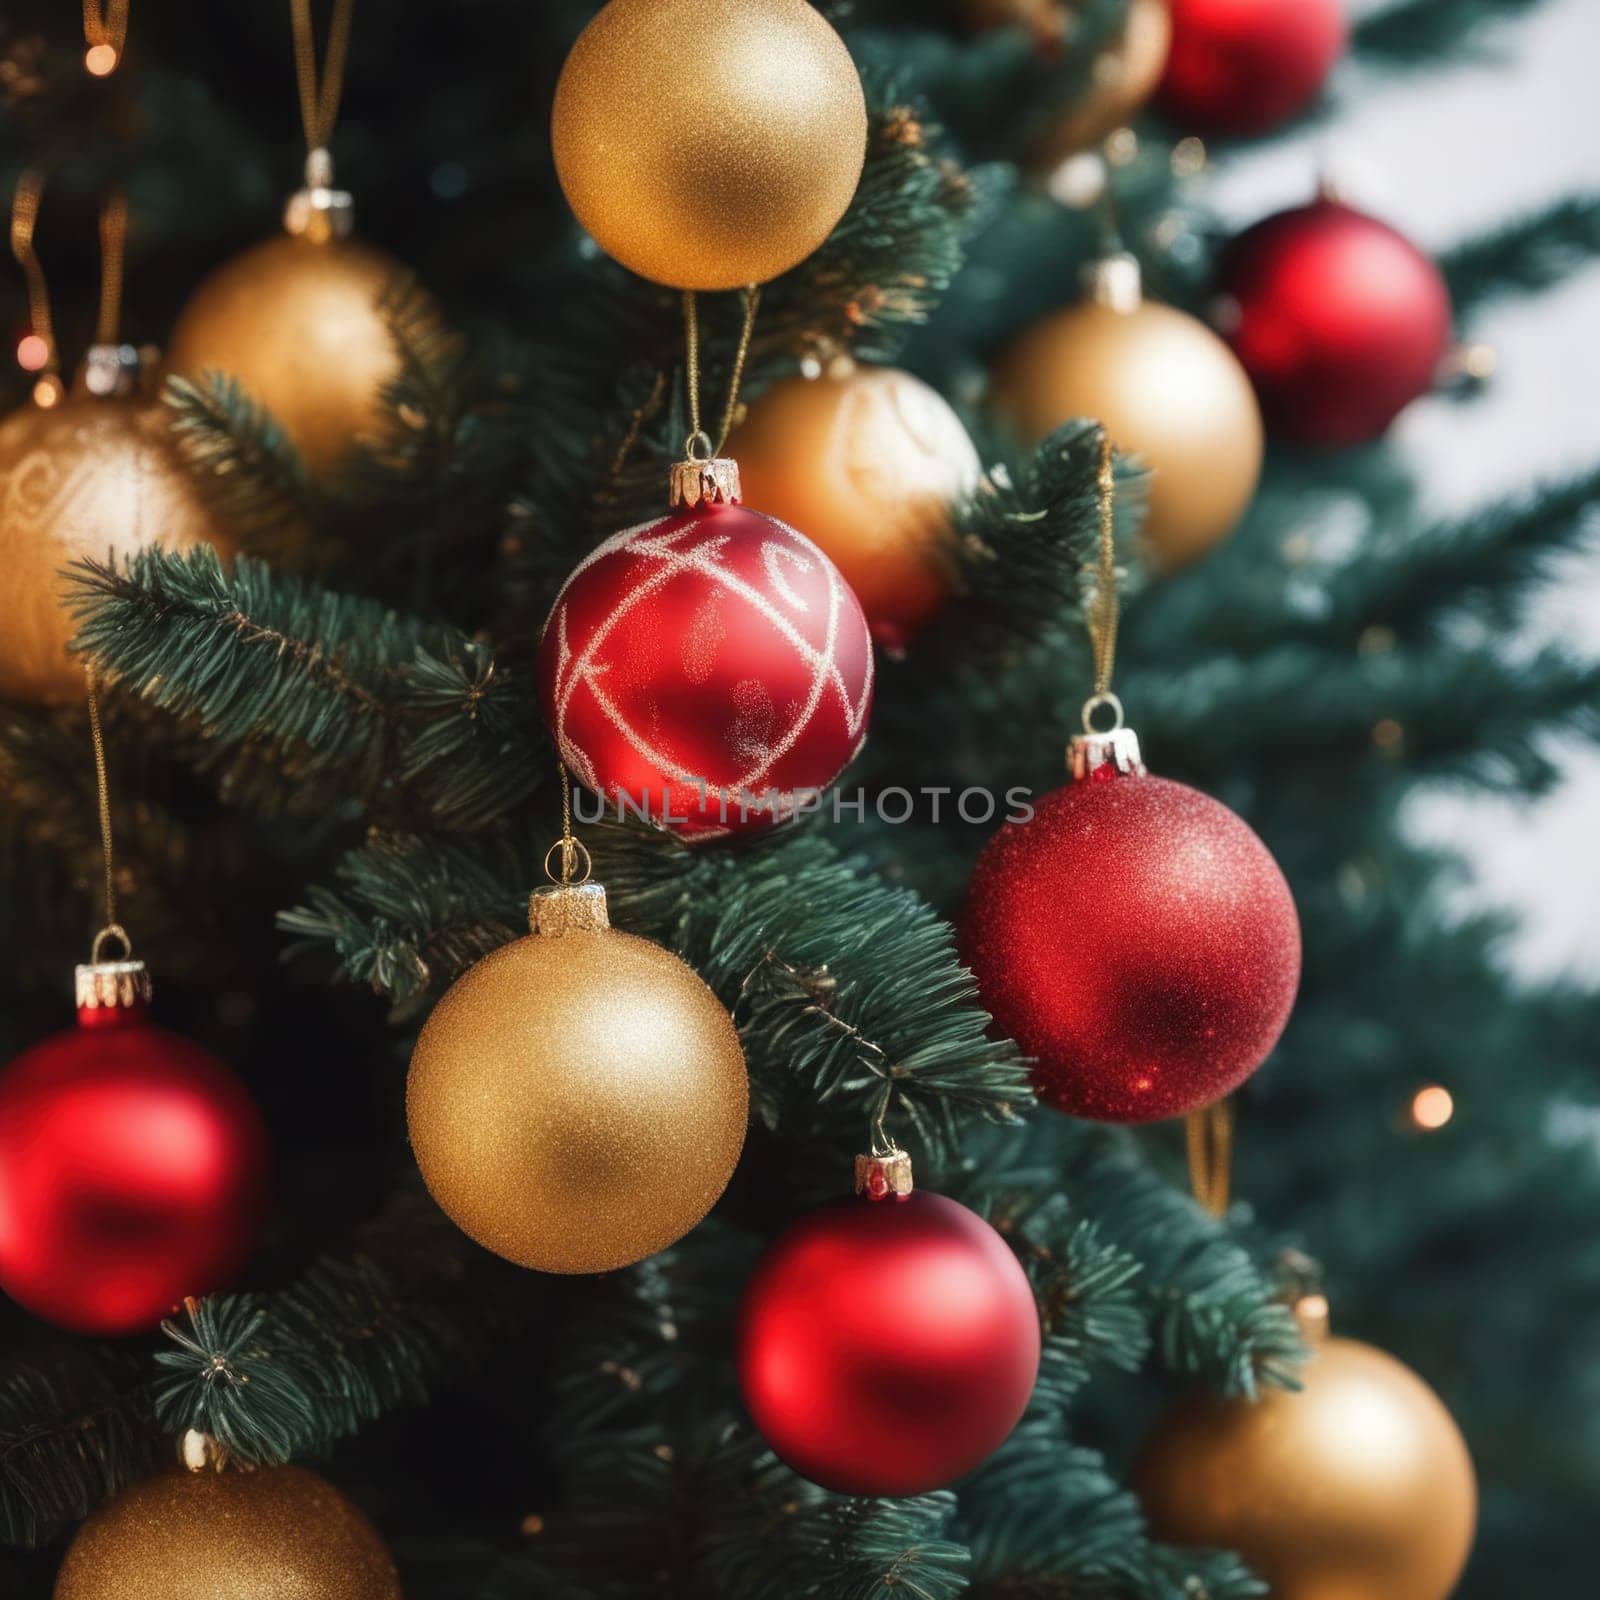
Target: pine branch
x,y
1023,552
1420,32
312,693
252,474
74,1427
286,1375
1533,252
414,912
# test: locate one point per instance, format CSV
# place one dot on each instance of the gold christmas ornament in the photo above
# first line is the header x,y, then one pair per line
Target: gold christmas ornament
x,y
1166,388
299,323
90,476
299,320
1358,1485
578,1099
708,144
278,1533
867,460
1122,78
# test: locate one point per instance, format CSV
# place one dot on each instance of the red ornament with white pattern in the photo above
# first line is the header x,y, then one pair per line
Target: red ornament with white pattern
x,y
887,1344
711,670
132,1165
1339,319
1135,938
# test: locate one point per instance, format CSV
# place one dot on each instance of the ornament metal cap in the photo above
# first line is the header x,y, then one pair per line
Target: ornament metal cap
x,y
569,908
112,985
1115,282
319,212
110,371
199,1452
1311,1313
711,482
881,1175
1114,751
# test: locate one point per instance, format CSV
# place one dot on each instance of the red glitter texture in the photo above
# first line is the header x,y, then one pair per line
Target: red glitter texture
x,y
886,1349
1139,942
132,1173
717,645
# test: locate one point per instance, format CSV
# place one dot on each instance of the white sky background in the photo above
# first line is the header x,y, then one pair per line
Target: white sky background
x,y
1445,155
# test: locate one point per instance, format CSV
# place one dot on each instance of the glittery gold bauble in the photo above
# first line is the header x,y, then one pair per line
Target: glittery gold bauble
x,y
1122,79
85,478
866,462
297,322
1167,389
578,1099
279,1533
709,143
1359,1486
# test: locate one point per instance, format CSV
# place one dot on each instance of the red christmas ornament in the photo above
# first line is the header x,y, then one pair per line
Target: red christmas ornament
x,y
1339,320
132,1165
887,1347
1135,938
707,669
1244,66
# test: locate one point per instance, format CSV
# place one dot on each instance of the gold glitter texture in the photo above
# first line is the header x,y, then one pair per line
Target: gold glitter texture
x,y
280,1533
708,144
578,1102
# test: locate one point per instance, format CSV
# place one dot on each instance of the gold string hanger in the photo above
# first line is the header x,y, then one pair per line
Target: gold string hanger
x,y
1209,1135
573,850
110,928
699,446
1104,610
47,386
319,93
105,32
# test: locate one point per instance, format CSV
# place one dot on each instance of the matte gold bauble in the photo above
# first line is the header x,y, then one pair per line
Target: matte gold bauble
x,y
578,1099
297,322
709,144
1166,388
866,461
89,477
279,1533
1359,1486
1122,79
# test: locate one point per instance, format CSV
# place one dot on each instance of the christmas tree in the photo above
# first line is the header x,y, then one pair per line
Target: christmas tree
x,y
355,672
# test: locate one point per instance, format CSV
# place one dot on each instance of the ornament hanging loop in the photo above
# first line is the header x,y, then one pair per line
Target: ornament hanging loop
x,y
1105,700
572,850
111,931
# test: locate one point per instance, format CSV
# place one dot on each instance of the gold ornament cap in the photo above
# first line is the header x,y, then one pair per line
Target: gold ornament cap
x,y
111,371
569,908
319,212
112,985
200,1452
1115,282
712,482
880,1176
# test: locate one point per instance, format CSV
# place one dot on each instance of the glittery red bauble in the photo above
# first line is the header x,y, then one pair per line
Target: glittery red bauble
x,y
887,1347
1339,320
1138,941
132,1173
712,658
1244,66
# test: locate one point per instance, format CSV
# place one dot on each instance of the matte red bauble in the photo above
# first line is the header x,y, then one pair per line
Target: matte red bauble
x,y
132,1166
887,1347
707,669
1244,66
1339,320
1135,938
